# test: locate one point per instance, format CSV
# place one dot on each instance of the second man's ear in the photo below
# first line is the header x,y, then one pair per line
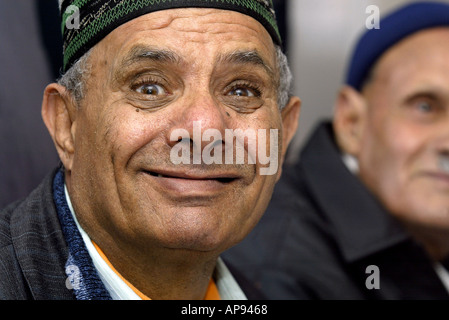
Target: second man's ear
x,y
349,120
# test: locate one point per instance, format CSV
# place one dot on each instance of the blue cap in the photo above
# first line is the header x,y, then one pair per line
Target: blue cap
x,y
393,28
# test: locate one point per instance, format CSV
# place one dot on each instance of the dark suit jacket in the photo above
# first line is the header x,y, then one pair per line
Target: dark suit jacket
x,y
33,251
321,232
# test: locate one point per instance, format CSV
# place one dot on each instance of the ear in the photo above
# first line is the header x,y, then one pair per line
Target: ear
x,y
350,120
58,111
290,118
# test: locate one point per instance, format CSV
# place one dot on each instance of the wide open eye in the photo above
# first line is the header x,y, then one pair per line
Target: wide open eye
x,y
151,89
243,96
242,92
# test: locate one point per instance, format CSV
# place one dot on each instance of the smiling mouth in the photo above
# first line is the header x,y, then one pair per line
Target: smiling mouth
x,y
439,175
222,179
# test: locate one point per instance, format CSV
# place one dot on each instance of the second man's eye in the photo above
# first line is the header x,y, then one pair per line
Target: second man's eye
x,y
151,89
425,107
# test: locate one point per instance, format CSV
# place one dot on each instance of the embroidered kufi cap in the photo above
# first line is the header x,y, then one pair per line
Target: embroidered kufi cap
x,y
97,18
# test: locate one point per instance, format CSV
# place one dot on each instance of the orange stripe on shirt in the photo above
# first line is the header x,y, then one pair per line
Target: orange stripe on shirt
x,y
103,256
212,291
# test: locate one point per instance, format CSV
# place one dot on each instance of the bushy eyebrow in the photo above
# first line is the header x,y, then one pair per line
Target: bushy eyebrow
x,y
141,53
251,57
433,92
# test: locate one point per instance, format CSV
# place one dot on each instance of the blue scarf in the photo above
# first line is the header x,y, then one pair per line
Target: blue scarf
x,y
82,275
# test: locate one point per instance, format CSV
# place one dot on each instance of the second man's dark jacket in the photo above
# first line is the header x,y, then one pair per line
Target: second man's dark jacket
x,y
324,236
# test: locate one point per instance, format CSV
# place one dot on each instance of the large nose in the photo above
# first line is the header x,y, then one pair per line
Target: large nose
x,y
199,119
442,136
444,148
441,143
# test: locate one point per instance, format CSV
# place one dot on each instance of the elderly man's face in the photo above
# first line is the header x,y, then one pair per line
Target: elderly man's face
x,y
156,74
405,130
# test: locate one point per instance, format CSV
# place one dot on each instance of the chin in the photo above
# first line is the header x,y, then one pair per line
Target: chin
x,y
197,240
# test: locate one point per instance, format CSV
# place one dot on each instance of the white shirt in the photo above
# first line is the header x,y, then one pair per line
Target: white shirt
x,y
118,289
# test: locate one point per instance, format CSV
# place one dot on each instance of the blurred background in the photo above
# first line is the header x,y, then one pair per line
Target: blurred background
x,y
28,62
319,36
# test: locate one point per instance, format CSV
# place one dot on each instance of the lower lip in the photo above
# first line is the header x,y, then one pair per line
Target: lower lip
x,y
189,187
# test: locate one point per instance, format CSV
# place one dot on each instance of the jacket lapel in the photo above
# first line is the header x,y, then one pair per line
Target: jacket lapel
x,y
366,234
39,244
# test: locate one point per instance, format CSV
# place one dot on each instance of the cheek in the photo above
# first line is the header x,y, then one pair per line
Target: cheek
x,y
393,156
386,157
404,146
273,128
107,143
127,131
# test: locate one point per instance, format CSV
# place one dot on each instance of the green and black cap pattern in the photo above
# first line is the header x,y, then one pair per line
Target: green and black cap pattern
x,y
97,18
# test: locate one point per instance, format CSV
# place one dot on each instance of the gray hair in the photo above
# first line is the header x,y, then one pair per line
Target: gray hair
x,y
74,80
285,78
